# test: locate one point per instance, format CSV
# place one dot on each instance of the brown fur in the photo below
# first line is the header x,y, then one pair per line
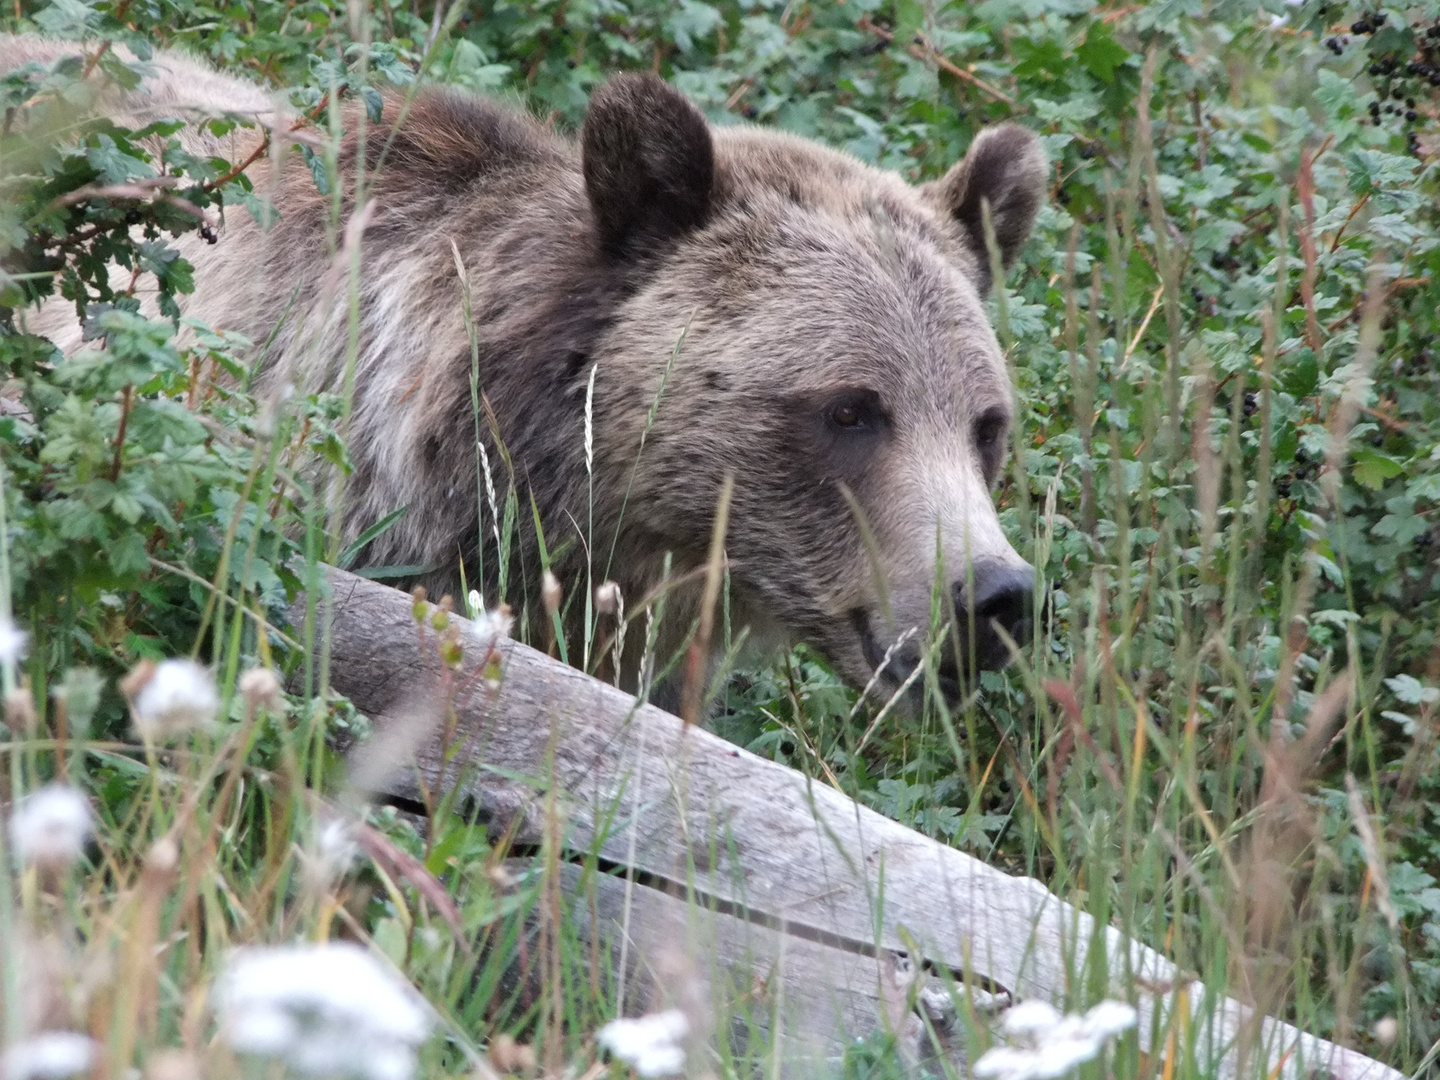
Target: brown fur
x,y
801,280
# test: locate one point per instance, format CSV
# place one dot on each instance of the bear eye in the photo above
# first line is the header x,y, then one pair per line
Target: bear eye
x,y
989,429
853,411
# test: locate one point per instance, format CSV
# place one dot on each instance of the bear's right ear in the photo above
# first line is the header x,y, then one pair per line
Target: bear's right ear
x,y
1005,167
649,163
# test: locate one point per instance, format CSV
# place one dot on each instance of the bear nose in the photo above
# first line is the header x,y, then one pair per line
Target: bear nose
x,y
1004,599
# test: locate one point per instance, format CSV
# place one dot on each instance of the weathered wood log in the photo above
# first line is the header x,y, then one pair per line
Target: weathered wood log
x,y
778,996
752,840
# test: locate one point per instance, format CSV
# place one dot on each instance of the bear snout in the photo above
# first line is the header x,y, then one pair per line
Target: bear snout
x,y
1004,600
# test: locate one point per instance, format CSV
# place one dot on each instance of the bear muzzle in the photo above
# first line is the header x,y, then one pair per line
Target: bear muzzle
x,y
1003,607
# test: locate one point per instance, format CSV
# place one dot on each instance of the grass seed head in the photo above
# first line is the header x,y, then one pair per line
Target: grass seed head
x,y
551,593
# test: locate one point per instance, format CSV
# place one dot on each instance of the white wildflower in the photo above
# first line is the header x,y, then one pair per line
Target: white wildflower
x,y
494,626
1109,1019
651,1044
474,603
1277,21
1051,1045
325,1010
53,1055
49,827
1005,1061
178,696
1030,1020
13,641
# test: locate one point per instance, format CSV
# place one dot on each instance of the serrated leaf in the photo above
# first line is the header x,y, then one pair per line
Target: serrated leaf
x,y
317,169
1373,468
1412,691
1100,54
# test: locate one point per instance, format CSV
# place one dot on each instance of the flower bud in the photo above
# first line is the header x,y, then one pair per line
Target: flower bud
x,y
607,598
20,711
261,689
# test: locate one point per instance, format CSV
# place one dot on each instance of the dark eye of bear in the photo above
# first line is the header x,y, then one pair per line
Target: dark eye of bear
x,y
988,429
855,410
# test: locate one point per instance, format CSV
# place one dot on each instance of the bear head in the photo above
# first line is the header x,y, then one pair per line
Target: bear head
x,y
820,332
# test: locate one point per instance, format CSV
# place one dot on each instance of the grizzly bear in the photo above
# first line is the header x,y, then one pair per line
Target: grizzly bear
x,y
655,307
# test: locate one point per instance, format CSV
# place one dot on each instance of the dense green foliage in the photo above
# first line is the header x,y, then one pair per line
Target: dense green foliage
x,y
1224,336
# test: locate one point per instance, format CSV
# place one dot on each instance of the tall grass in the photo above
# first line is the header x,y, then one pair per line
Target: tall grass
x,y
1188,749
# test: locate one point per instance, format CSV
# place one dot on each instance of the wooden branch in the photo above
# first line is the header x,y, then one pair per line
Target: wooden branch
x,y
923,49
697,817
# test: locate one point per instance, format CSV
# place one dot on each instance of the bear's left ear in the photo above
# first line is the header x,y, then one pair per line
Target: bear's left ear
x,y
1005,167
649,163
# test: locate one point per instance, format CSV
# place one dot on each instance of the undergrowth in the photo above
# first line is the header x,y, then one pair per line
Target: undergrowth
x,y
1222,741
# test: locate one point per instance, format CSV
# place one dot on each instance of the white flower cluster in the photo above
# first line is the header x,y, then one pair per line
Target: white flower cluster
x,y
13,641
493,627
49,827
1046,1045
175,697
53,1055
650,1044
327,1009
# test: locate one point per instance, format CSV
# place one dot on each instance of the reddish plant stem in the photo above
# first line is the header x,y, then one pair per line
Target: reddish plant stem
x,y
129,397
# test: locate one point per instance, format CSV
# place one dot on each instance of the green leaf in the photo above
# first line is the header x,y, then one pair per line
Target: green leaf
x,y
909,20
1412,691
1044,57
317,169
1303,376
1100,54
1373,468
374,103
352,550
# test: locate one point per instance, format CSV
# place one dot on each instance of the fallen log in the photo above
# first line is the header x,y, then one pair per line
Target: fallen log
x,y
684,814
